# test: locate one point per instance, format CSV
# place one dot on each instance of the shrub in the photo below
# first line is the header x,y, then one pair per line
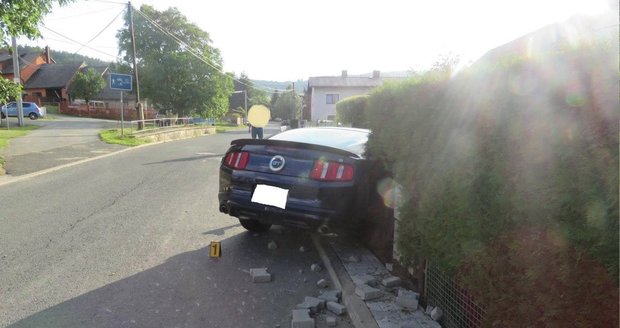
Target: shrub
x,y
498,150
352,111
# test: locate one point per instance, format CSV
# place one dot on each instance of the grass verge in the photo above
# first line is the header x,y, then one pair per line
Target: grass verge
x,y
14,132
114,137
224,127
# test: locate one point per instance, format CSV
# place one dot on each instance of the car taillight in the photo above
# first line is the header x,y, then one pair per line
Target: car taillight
x,y
237,160
331,171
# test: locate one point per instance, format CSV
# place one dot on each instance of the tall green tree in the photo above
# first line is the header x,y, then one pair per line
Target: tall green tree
x,y
179,69
20,18
288,105
87,85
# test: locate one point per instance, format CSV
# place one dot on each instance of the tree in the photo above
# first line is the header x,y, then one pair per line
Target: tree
x,y
288,105
87,85
9,90
20,18
182,72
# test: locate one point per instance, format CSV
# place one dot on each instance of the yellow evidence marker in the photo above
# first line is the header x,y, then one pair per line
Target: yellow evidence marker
x,y
215,249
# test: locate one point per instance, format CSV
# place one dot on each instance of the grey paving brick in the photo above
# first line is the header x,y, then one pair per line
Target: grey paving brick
x,y
302,319
364,279
367,293
391,282
336,308
312,303
260,275
331,296
322,283
407,299
331,321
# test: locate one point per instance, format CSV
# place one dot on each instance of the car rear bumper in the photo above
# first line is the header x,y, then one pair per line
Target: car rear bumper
x,y
298,213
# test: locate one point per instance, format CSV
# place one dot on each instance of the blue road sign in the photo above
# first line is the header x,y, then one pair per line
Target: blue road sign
x,y
120,81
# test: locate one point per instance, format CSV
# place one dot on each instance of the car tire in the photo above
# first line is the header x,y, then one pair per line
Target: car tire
x,y
33,116
3,116
254,225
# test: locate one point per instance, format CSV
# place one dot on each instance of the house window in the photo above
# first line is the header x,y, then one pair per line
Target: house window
x,y
332,98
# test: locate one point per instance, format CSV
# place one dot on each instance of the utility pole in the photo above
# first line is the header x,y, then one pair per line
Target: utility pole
x,y
16,79
135,69
293,114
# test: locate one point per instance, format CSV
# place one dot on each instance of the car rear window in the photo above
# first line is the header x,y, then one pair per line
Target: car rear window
x,y
351,140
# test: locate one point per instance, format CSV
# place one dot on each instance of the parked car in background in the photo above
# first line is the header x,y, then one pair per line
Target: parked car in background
x,y
31,110
314,178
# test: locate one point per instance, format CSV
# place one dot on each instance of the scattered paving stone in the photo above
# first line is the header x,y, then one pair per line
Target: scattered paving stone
x,y
367,293
389,266
331,295
315,267
301,319
407,299
305,280
391,282
429,309
301,271
331,321
260,275
311,303
436,313
302,249
322,283
364,279
354,259
336,308
272,245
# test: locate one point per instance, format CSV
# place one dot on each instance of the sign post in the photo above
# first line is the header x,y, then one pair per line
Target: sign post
x,y
121,82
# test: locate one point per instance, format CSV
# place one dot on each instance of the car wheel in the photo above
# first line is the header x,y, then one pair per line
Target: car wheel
x,y
33,116
254,225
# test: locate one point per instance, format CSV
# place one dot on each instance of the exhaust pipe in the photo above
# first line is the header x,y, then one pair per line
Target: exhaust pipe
x,y
323,229
224,208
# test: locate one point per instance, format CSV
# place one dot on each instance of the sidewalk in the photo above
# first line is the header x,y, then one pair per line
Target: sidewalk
x,y
374,298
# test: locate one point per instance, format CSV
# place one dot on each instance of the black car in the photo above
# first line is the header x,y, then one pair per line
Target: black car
x,y
311,178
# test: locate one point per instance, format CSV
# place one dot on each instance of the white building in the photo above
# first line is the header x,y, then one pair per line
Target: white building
x,y
326,91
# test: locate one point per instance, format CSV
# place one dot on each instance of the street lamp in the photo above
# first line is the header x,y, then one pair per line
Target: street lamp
x,y
245,94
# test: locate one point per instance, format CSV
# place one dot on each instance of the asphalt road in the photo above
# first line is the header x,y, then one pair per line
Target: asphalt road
x,y
123,241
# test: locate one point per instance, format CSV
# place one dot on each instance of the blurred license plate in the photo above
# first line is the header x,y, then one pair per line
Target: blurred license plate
x,y
270,195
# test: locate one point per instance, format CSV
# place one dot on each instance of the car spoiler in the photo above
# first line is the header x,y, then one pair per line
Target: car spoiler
x,y
284,143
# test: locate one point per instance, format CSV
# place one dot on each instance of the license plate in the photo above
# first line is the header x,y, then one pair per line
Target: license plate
x,y
270,195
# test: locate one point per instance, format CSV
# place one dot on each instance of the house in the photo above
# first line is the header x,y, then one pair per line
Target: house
x,y
29,63
50,83
43,79
325,91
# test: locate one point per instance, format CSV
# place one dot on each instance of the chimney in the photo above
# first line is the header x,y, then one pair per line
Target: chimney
x,y
48,58
344,73
376,74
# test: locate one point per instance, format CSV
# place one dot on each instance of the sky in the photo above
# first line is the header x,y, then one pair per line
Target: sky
x,y
284,40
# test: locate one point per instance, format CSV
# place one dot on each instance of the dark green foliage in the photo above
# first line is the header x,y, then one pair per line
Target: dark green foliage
x,y
87,85
21,18
352,111
510,161
9,90
185,77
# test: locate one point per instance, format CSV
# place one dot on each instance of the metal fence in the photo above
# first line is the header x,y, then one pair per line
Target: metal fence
x,y
459,308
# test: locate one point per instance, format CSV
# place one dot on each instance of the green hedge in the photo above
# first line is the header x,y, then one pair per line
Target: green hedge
x,y
507,158
352,111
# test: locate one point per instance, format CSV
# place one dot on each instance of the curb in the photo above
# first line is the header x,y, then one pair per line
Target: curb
x,y
360,315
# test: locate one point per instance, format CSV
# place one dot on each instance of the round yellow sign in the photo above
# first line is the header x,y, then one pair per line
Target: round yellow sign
x,y
259,116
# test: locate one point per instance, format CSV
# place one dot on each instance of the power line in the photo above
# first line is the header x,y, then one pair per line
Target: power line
x,y
81,14
194,53
98,34
77,42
